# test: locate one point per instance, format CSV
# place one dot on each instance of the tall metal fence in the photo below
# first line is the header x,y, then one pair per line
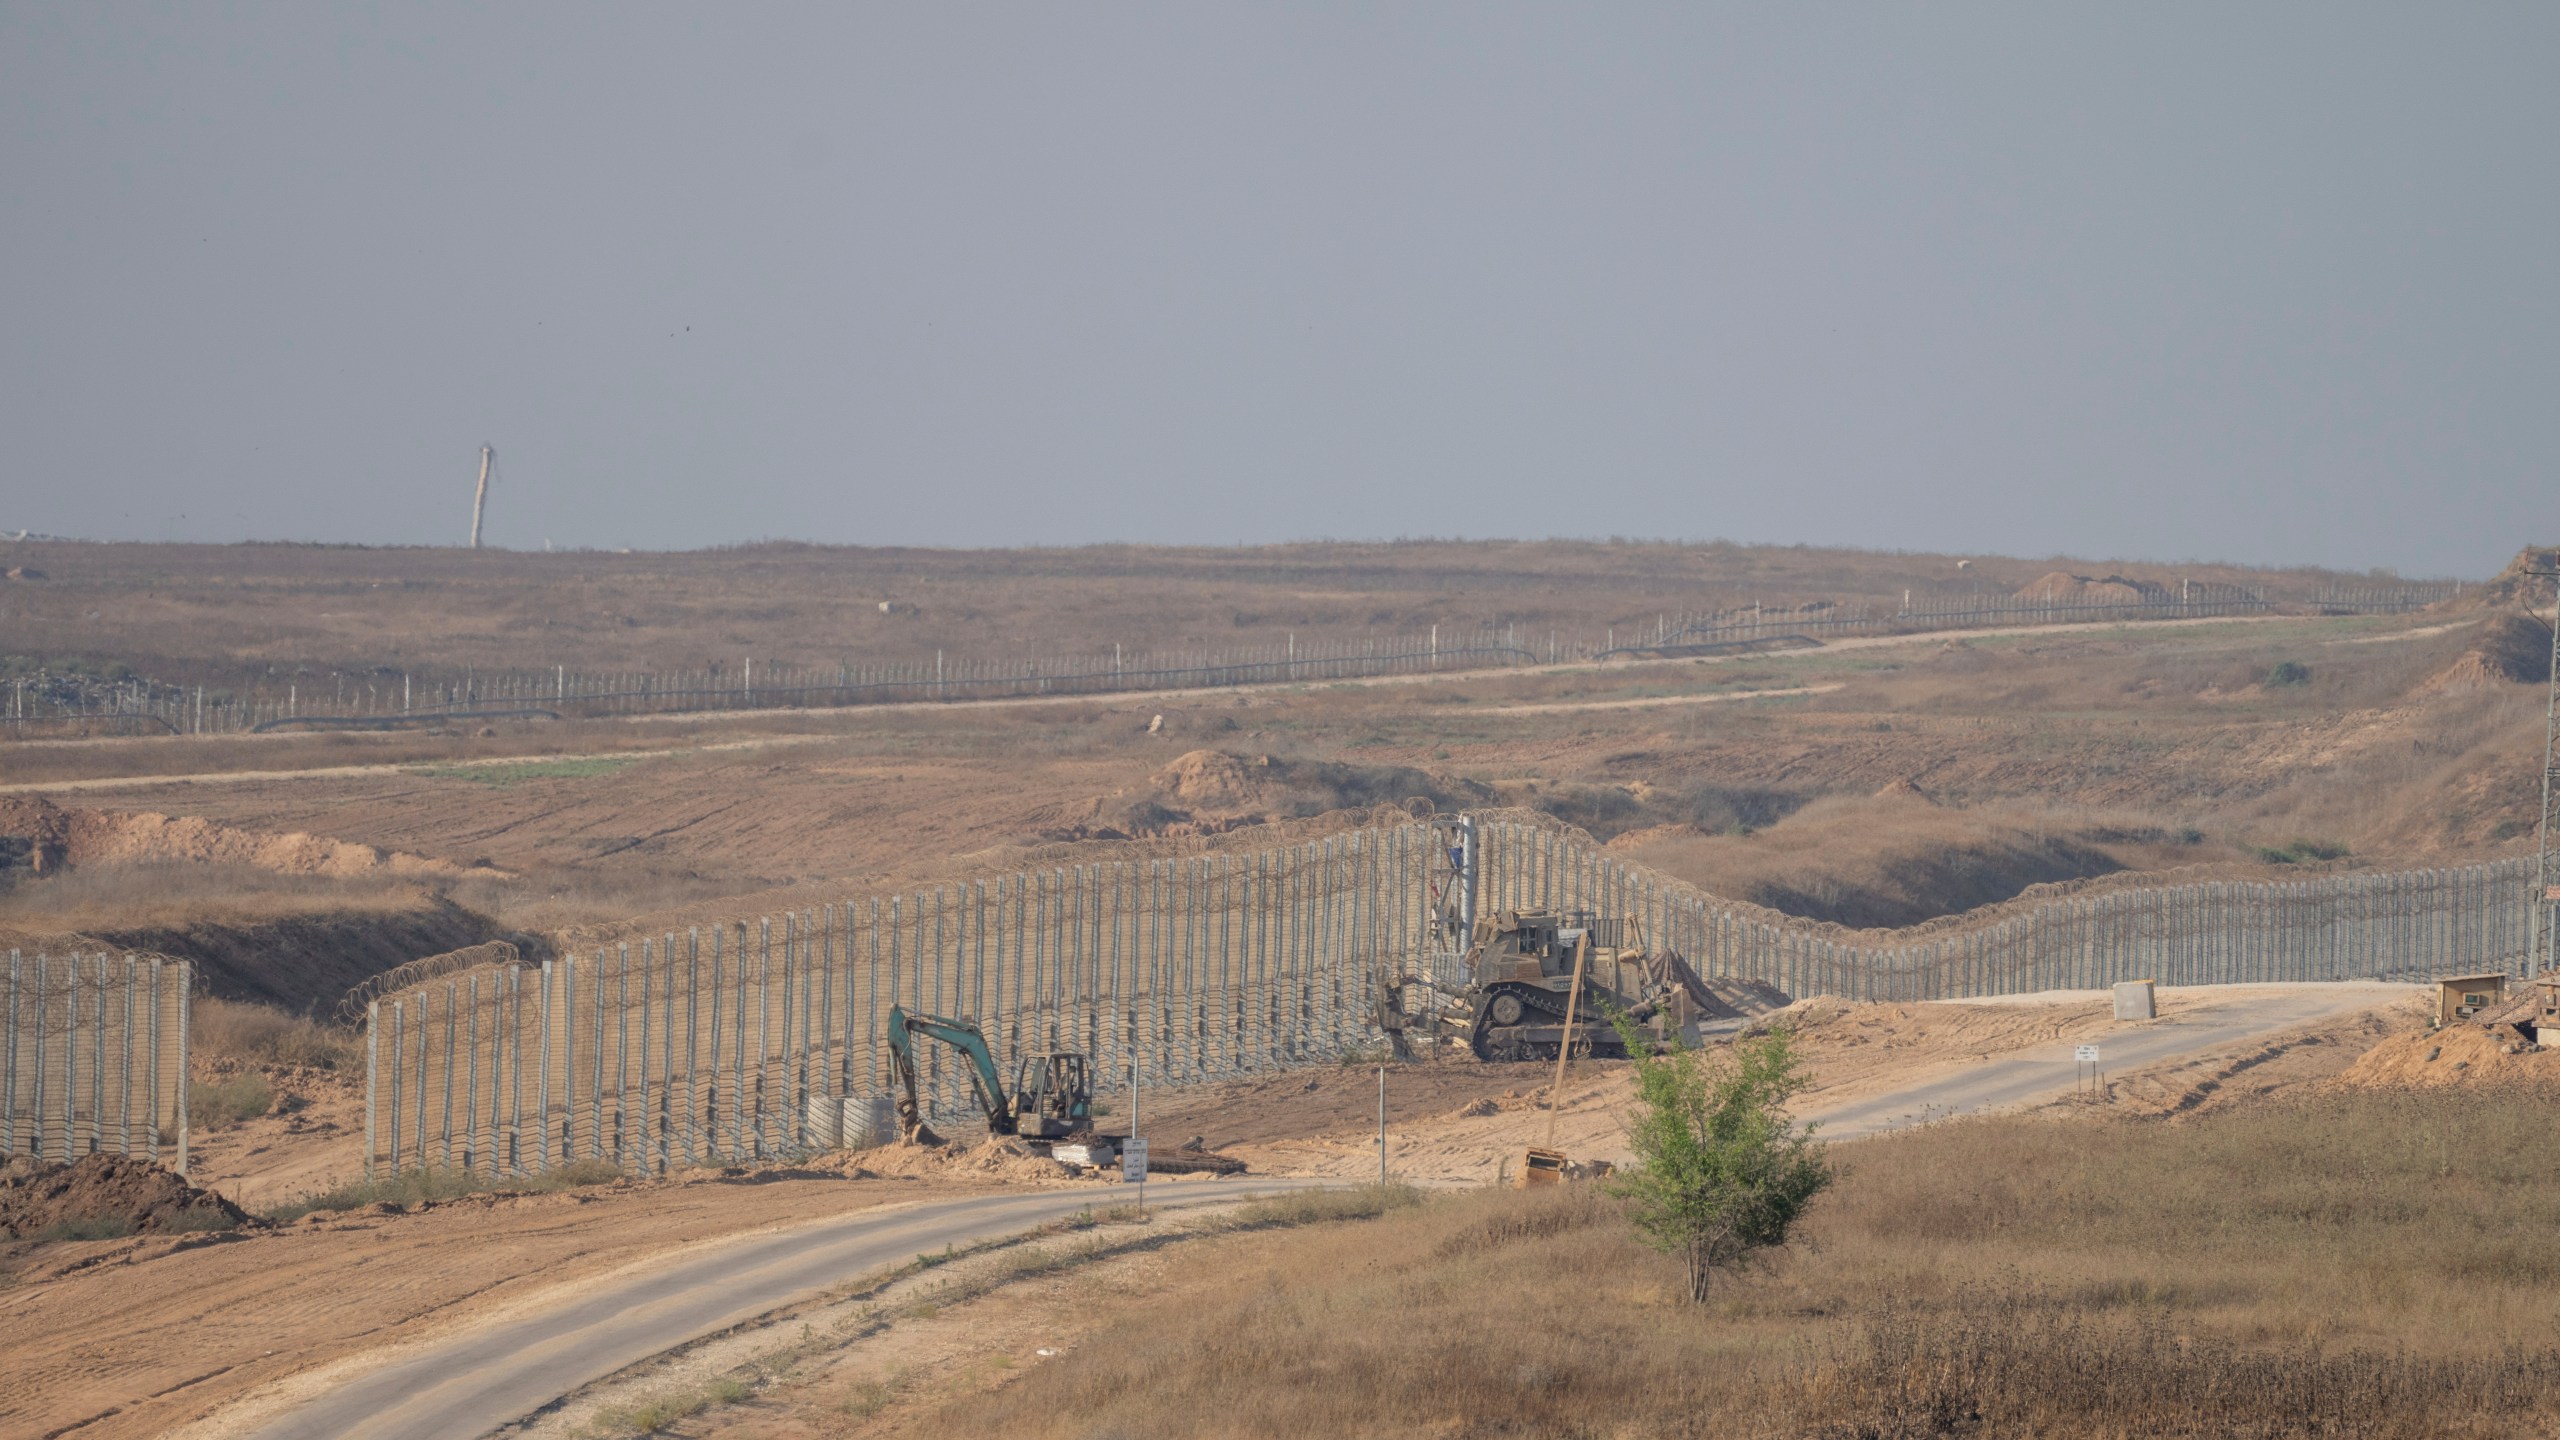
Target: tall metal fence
x,y
2385,597
742,1040
93,1056
745,1039
2359,925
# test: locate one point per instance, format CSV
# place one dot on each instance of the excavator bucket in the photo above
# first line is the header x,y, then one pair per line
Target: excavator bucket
x,y
1554,1167
1540,1167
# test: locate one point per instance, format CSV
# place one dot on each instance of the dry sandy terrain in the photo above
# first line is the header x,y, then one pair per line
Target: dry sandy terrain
x,y
194,1323
185,613
135,1337
1871,782
1902,781
1462,1123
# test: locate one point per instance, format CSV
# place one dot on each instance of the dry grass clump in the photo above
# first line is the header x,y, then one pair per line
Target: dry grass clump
x,y
261,1035
1989,1362
221,1104
2346,1265
140,894
437,1183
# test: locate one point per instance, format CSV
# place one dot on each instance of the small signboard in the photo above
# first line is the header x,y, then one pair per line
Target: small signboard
x,y
1133,1161
2086,1054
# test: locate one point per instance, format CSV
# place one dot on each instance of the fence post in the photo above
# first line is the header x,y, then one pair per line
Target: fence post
x,y
71,1059
372,1067
9,1058
186,985
399,1074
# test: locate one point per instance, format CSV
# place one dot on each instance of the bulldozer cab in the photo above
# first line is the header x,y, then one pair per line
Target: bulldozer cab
x,y
1539,945
1052,1095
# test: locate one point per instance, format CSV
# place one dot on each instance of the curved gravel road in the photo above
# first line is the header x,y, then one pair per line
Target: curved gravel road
x,y
478,1381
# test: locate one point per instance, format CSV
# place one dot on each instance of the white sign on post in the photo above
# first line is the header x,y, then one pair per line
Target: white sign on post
x,y
1133,1161
2086,1054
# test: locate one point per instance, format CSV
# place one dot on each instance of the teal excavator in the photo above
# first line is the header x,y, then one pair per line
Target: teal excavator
x,y
1051,1098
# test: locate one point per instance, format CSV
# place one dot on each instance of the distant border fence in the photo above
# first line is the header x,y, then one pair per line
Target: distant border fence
x,y
2192,602
746,1039
93,1056
376,697
389,695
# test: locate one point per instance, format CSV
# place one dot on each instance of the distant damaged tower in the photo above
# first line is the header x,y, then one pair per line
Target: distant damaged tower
x,y
480,497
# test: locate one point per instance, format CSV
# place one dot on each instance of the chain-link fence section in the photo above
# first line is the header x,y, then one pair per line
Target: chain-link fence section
x,y
764,1038
93,1056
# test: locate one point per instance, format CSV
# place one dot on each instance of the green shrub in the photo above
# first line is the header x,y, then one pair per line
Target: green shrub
x,y
2289,672
1722,1171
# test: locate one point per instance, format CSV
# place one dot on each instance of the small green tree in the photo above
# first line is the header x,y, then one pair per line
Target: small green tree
x,y
1721,1169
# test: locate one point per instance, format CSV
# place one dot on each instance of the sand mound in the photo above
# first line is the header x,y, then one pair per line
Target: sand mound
x,y
34,834
2519,584
2454,1055
1802,1017
1006,1161
2064,588
1213,780
53,836
1904,789
2510,650
109,1193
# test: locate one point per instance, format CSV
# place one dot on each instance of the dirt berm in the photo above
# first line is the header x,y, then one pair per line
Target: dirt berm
x,y
101,1196
2458,1054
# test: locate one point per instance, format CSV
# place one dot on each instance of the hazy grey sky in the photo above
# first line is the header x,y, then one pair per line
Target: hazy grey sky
x,y
2248,281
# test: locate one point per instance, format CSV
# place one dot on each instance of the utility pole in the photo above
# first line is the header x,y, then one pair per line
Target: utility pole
x,y
480,497
1382,1127
2545,958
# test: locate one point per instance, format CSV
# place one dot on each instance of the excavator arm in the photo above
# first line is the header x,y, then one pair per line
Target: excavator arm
x,y
961,1035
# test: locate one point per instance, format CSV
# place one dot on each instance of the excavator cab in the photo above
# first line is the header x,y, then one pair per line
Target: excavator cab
x,y
1052,1095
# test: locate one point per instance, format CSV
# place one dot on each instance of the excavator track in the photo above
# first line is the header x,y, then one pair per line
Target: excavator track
x,y
1485,1035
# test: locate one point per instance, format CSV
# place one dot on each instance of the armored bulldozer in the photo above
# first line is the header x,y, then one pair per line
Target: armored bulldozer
x,y
1518,990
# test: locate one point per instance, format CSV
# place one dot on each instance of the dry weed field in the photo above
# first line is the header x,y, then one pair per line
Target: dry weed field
x,y
2334,1262
193,612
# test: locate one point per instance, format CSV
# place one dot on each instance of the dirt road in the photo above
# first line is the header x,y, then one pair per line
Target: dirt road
x,y
2048,1072
1874,1067
475,1382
